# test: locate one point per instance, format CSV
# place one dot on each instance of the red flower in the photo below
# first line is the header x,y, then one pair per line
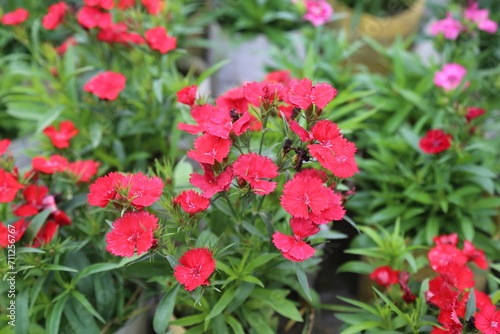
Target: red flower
x,y
211,184
105,188
435,141
18,227
8,187
300,131
473,112
104,4
187,95
114,33
132,233
153,6
70,41
125,4
281,76
443,254
201,114
106,85
91,17
384,276
84,170
253,168
451,239
56,163
4,145
457,275
158,39
16,17
144,191
265,93
233,99
307,197
441,294
33,197
292,247
196,266
46,233
475,255
209,149
488,320
61,138
55,16
303,94
192,202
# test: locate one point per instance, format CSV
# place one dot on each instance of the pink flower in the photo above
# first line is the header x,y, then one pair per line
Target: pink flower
x,y
91,17
55,16
209,149
104,4
83,170
158,39
132,233
481,17
8,186
293,247
449,27
318,12
253,168
450,77
196,266
55,163
153,6
192,202
303,94
211,184
106,85
4,145
15,18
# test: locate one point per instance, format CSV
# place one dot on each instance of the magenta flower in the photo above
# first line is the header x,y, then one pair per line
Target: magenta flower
x,y
318,12
449,27
450,77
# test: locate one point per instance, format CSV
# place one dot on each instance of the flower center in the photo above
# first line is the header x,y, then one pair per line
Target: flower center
x,y
494,324
133,237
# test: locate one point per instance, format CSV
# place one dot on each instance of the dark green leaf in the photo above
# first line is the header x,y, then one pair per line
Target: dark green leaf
x,y
164,310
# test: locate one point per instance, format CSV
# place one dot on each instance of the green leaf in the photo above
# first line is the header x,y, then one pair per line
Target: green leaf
x,y
59,268
431,229
252,279
158,89
190,320
301,276
253,230
362,327
404,316
361,305
22,306
241,295
284,307
36,225
259,261
471,305
225,268
235,325
356,267
181,175
211,70
86,304
164,310
93,269
55,314
223,302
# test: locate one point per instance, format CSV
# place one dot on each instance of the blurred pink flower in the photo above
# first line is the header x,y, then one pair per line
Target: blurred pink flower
x,y
318,12
449,27
481,17
450,77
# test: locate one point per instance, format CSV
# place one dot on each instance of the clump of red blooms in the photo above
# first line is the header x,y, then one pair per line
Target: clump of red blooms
x,y
15,18
386,276
28,196
435,141
60,138
106,85
450,290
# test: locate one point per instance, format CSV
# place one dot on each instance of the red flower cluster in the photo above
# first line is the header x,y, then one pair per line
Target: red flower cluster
x,y
106,85
158,39
449,290
60,138
435,141
55,16
80,170
196,266
192,202
8,186
385,276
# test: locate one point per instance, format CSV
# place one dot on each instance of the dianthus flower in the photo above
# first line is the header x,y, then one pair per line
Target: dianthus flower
x,y
473,112
209,149
91,17
83,170
265,93
104,189
55,163
187,95
15,18
450,239
233,99
308,198
303,94
318,12
55,16
153,6
435,141
132,233
253,168
481,17
143,190
158,39
475,255
194,268
450,77
488,320
19,228
4,145
384,276
60,138
211,184
45,234
449,27
281,76
106,85
191,201
293,247
443,254
70,41
104,4
125,4
457,275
